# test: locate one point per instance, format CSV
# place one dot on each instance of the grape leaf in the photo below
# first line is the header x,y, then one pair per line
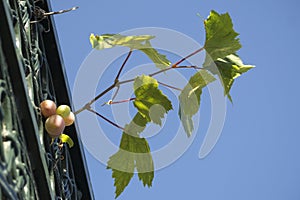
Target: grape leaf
x,y
151,103
138,42
134,153
105,41
137,125
144,163
160,60
125,162
122,179
228,69
187,122
189,98
221,39
143,159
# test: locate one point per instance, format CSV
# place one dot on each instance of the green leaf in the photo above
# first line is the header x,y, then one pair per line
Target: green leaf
x,y
221,45
151,103
122,179
134,153
160,60
138,42
144,162
228,69
137,125
221,39
145,168
187,122
189,98
122,165
66,139
111,40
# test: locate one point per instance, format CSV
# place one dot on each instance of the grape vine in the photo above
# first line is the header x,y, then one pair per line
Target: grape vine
x,y
221,61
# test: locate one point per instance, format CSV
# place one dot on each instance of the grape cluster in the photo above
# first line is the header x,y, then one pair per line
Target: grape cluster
x,y
57,118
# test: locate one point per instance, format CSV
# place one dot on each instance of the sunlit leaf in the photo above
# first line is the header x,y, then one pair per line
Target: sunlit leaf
x,y
186,121
151,103
121,180
144,163
138,42
228,69
137,125
221,39
111,40
160,60
134,153
189,98
122,165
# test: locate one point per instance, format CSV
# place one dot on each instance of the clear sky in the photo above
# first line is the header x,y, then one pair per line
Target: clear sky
x,y
257,156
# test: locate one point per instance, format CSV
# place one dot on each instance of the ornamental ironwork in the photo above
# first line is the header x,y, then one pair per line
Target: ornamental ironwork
x,y
33,165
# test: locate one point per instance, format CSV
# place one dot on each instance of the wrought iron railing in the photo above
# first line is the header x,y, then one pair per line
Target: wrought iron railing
x,y
32,166
16,179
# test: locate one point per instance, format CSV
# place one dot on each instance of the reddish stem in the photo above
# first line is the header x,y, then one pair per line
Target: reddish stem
x,y
170,86
106,119
188,56
122,101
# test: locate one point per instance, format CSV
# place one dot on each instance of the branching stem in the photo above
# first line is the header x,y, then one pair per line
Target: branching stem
x,y
117,83
88,105
169,86
121,101
106,119
125,61
188,56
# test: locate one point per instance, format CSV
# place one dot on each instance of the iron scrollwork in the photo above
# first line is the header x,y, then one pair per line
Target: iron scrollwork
x,y
16,179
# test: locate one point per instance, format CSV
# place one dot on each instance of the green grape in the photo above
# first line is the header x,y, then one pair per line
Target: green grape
x,y
63,110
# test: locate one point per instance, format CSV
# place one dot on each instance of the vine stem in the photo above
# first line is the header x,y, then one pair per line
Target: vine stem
x,y
118,83
115,84
161,71
166,69
188,56
169,86
125,61
106,119
88,105
121,101
175,65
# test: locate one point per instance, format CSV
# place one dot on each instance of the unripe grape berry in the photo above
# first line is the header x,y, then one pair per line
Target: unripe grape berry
x,y
63,110
69,120
48,108
54,125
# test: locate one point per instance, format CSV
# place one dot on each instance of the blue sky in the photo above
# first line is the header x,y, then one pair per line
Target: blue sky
x,y
257,156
